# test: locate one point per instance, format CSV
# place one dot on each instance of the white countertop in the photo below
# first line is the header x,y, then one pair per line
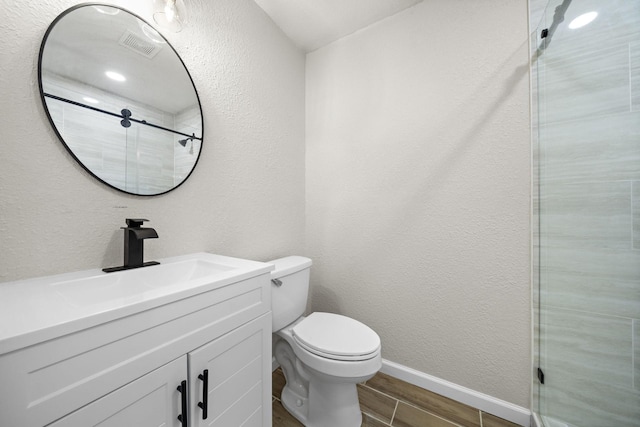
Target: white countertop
x,y
38,309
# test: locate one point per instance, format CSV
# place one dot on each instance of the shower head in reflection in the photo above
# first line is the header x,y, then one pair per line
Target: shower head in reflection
x,y
183,142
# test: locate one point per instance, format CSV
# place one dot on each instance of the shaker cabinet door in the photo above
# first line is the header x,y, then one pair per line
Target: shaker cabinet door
x,y
150,401
238,378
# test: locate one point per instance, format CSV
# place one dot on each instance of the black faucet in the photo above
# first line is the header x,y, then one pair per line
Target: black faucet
x,y
134,235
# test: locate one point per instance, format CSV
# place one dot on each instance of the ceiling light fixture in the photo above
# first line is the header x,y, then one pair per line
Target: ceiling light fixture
x,y
90,100
170,14
582,20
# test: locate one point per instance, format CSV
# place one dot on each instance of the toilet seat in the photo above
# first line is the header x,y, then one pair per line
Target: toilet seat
x,y
336,337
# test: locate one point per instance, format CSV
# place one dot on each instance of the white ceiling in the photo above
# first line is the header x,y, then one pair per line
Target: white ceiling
x,y
312,24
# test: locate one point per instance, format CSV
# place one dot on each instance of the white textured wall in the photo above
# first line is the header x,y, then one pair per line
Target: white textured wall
x,y
246,196
417,169
418,189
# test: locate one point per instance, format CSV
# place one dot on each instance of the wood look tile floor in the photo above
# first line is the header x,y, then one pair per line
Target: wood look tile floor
x,y
386,401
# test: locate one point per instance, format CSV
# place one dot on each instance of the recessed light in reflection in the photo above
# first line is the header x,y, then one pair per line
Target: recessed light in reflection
x,y
90,100
582,20
115,76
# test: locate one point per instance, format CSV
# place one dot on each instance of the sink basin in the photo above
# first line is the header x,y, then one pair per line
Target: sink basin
x,y
132,284
166,274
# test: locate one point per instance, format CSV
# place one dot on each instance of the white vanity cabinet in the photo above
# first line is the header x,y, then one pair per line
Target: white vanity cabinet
x,y
235,366
123,367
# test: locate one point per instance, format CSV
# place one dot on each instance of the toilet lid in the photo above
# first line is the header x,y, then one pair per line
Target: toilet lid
x,y
336,337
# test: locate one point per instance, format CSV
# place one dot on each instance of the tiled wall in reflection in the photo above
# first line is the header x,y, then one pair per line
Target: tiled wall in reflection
x,y
139,159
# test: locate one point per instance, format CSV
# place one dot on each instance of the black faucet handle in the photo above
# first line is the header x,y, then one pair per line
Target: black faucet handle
x,y
135,222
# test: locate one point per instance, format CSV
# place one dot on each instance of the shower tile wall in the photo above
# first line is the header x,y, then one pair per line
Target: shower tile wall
x,y
636,353
636,214
589,183
634,59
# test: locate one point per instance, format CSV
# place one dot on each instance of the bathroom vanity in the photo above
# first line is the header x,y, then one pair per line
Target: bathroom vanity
x,y
183,343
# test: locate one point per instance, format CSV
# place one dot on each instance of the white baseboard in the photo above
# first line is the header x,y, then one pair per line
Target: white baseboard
x,y
484,402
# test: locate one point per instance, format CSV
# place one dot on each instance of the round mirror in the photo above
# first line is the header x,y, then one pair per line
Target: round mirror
x,y
120,99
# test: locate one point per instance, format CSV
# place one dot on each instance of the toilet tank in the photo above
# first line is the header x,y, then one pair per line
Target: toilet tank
x,y
289,300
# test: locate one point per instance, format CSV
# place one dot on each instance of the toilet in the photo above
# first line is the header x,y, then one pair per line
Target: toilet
x,y
323,355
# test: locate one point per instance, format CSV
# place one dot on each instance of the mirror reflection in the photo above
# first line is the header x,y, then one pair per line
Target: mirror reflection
x,y
120,99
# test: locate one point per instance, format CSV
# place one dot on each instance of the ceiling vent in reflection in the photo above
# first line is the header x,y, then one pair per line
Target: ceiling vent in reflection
x,y
138,44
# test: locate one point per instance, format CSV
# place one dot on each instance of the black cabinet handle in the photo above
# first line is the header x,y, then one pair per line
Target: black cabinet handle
x,y
204,405
182,388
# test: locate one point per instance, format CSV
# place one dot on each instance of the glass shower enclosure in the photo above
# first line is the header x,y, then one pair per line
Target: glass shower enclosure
x,y
586,149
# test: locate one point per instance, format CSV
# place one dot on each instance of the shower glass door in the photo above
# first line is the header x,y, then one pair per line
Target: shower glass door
x,y
587,195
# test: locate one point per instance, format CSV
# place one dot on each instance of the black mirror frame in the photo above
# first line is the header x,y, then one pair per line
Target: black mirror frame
x,y
44,104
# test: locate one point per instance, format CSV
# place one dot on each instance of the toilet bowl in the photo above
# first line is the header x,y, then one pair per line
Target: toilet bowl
x,y
323,355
